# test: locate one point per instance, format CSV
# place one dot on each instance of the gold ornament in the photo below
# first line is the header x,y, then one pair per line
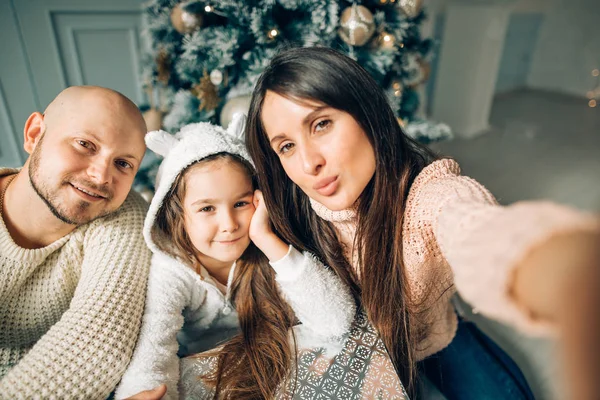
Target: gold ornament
x,y
411,8
184,21
234,105
419,71
154,115
206,92
357,25
153,118
425,70
163,67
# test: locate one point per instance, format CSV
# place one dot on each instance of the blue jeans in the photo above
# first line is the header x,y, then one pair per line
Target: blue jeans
x,y
473,367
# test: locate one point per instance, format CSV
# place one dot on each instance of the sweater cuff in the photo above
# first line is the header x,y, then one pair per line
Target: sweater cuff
x,y
291,266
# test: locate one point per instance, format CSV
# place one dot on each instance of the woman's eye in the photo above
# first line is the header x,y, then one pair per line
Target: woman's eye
x,y
241,204
322,125
207,209
285,148
84,144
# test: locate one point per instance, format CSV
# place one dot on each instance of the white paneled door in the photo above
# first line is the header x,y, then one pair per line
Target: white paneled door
x,y
47,45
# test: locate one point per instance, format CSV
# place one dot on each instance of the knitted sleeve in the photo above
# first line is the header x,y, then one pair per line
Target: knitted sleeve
x,y
484,242
85,353
155,359
315,293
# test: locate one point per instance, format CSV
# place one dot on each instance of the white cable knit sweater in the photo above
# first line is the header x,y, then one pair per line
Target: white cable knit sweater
x,y
70,312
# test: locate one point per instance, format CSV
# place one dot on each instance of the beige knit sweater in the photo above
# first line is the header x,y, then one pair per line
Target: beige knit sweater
x,y
70,312
456,235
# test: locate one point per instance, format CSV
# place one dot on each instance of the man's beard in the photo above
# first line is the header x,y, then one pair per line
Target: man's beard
x,y
50,200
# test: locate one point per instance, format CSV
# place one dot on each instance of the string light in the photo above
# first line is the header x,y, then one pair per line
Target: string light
x,y
273,33
387,40
208,8
594,94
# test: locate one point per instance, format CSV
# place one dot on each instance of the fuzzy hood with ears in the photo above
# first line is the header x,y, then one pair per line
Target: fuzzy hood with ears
x,y
191,144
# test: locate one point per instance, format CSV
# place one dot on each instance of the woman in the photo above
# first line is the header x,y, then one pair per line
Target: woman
x,y
342,181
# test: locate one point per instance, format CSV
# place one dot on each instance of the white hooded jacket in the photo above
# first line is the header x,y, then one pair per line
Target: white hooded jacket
x,y
185,312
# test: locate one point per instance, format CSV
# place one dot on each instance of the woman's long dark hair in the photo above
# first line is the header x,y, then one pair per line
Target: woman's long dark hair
x,y
327,77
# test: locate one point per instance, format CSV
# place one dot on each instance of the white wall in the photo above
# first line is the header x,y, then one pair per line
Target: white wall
x,y
568,47
520,6
47,45
551,44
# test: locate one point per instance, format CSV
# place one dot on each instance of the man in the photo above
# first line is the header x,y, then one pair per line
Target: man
x,y
73,262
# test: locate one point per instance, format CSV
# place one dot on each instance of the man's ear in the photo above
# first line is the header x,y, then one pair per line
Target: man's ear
x,y
33,131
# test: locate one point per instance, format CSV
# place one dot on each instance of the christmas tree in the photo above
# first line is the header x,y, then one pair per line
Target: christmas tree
x,y
205,56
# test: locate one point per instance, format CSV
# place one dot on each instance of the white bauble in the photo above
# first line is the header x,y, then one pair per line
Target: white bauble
x,y
234,105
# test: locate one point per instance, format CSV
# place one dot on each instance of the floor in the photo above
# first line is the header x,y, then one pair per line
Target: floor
x,y
540,146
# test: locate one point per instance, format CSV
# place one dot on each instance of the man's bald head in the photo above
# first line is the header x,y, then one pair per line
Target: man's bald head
x,y
85,99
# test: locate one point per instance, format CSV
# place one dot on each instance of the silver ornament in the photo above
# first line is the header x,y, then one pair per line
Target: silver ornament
x,y
411,7
234,105
216,77
184,21
357,25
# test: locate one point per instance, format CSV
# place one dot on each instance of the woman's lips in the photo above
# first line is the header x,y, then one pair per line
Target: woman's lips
x,y
327,186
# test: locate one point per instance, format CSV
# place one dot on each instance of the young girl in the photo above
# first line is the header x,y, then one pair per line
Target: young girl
x,y
200,225
339,176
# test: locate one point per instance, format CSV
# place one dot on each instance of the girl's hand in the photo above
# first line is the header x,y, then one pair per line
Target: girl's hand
x,y
155,394
261,233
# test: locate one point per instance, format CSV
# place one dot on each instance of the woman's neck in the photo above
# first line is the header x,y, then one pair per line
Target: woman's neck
x,y
346,215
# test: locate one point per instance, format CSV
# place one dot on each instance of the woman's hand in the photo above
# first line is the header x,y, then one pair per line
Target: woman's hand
x,y
546,282
261,233
155,394
560,281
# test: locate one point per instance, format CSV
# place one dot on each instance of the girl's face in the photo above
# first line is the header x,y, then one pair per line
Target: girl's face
x,y
323,150
217,211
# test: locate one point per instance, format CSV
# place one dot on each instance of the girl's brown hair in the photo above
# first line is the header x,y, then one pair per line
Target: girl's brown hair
x,y
325,76
254,363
